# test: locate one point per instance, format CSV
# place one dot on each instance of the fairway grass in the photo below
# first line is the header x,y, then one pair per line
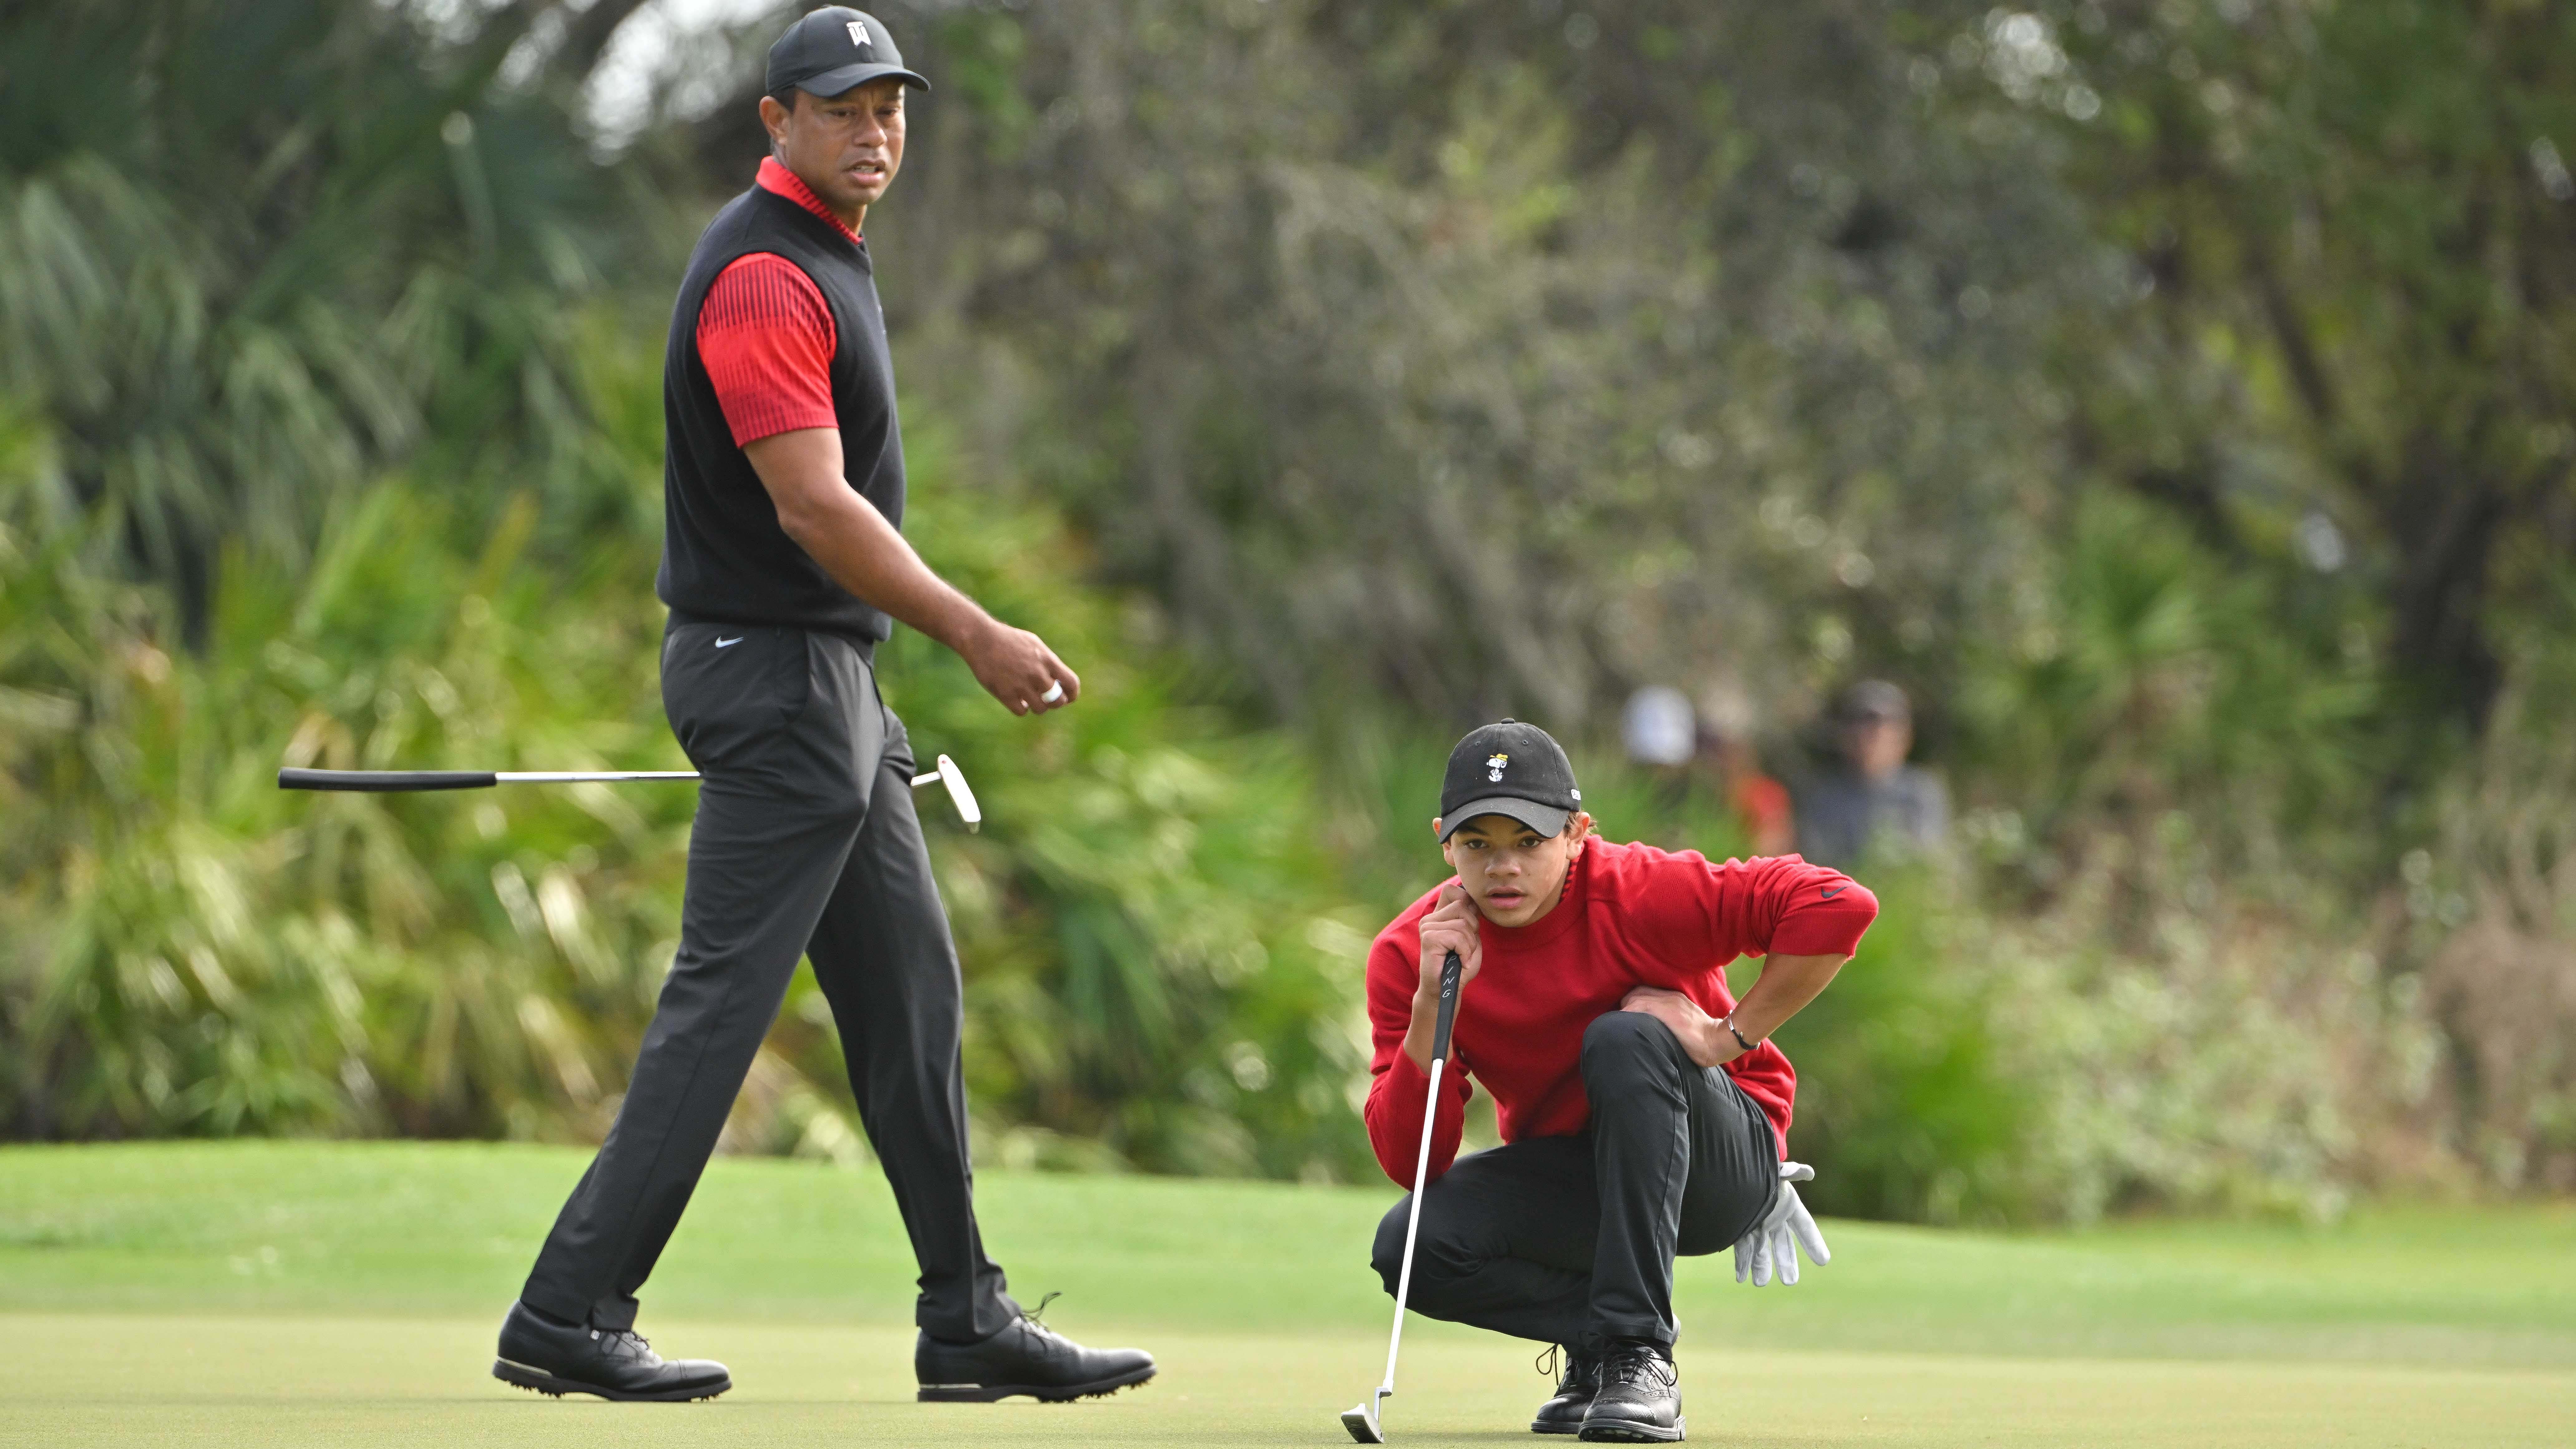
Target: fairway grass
x,y
256,1382
306,1293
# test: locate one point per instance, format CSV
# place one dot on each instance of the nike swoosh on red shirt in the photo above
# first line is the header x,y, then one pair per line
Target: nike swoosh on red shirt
x,y
1827,895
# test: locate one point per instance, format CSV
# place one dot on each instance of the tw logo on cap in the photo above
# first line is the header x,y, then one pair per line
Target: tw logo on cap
x,y
859,36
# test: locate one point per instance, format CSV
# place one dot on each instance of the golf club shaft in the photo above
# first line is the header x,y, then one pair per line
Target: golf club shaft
x,y
1450,971
384,781
387,781
394,781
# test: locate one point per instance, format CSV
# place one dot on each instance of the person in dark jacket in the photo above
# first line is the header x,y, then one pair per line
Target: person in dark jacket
x,y
1874,801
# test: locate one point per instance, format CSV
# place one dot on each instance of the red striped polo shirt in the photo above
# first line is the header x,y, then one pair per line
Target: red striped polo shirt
x,y
767,337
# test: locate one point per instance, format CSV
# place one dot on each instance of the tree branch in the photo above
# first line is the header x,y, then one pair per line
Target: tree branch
x,y
588,36
2290,330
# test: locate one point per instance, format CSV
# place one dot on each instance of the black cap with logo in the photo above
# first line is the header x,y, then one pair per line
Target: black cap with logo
x,y
834,49
1508,768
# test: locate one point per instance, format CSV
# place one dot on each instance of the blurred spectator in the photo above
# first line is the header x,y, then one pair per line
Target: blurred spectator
x,y
1655,727
1761,804
1875,798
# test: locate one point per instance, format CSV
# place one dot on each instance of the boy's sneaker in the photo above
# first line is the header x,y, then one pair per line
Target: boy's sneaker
x,y
1564,1413
1640,1398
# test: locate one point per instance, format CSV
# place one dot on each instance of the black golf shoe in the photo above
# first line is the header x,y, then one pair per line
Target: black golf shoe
x,y
554,1357
1026,1358
1639,1400
1564,1413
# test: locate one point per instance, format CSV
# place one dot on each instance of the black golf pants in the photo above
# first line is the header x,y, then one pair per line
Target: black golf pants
x,y
1571,1240
805,844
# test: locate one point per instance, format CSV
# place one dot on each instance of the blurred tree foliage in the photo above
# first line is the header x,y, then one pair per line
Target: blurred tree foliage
x,y
251,254
2359,232
1356,331
2175,397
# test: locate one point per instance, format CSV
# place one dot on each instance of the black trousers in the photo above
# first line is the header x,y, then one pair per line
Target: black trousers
x,y
805,844
1571,1240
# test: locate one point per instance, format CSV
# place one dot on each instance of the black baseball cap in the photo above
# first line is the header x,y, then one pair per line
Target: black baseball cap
x,y
834,49
1508,768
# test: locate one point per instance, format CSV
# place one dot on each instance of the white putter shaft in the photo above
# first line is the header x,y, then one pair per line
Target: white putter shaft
x,y
1362,1419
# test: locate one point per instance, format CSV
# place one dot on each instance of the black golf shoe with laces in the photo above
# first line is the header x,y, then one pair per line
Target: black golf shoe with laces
x,y
1027,1358
1640,1398
1564,1413
554,1357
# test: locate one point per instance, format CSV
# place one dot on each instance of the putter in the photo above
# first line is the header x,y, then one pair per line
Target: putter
x,y
1362,1418
386,781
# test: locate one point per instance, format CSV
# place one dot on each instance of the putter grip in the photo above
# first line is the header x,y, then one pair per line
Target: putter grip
x,y
384,780
1450,971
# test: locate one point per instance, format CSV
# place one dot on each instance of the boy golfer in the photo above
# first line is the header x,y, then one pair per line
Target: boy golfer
x,y
1644,1113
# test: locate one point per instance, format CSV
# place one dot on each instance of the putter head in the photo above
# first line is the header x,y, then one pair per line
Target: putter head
x,y
960,795
1361,1419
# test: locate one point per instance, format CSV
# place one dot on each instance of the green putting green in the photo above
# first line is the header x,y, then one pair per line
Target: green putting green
x,y
312,1293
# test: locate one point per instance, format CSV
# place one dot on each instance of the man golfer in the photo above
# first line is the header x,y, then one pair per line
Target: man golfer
x,y
781,564
1644,1113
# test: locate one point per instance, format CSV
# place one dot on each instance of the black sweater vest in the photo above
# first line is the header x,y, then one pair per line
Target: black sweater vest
x,y
724,557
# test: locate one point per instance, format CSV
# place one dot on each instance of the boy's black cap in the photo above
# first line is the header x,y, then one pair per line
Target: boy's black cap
x,y
834,48
1508,768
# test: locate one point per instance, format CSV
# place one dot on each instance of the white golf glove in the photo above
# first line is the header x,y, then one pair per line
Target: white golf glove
x,y
1771,1249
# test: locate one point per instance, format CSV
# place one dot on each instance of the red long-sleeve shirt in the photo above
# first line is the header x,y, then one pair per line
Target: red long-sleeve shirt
x,y
1632,915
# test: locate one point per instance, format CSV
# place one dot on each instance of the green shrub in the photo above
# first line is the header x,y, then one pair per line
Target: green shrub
x,y
1152,955
1907,1104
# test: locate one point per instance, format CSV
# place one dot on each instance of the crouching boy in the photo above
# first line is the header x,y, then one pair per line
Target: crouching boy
x,y
1644,1112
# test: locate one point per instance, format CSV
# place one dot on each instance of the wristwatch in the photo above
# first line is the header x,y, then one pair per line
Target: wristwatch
x,y
1729,1023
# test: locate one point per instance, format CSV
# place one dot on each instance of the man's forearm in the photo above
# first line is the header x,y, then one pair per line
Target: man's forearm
x,y
867,556
864,553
